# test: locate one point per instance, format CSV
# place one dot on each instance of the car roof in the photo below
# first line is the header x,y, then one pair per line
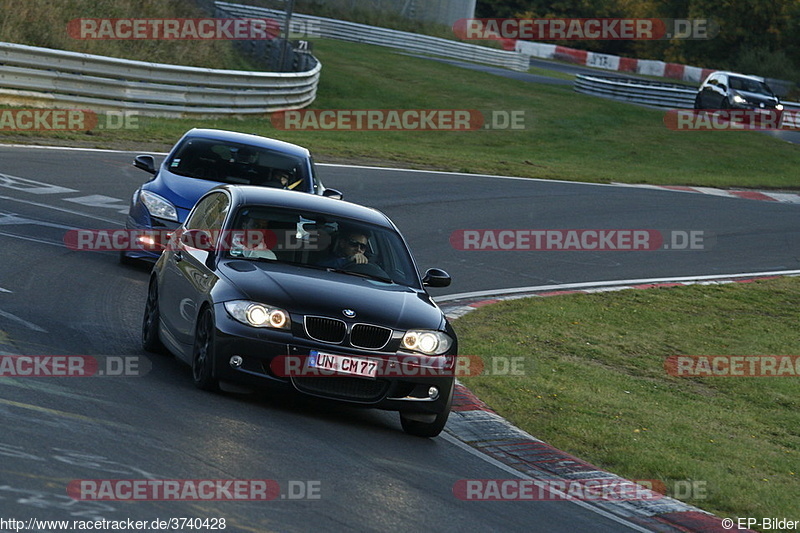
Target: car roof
x,y
737,75
247,138
254,195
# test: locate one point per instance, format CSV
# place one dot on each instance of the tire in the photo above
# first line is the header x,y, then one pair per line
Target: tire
x,y
203,353
151,341
125,260
697,102
427,429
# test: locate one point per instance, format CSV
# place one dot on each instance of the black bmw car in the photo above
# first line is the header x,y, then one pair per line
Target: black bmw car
x,y
267,287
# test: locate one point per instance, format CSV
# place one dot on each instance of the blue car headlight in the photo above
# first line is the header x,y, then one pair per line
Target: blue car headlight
x,y
158,206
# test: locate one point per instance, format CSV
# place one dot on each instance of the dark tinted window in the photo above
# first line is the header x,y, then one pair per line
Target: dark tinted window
x,y
751,86
238,164
313,240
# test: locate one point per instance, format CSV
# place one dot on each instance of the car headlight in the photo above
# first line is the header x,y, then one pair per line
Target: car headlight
x,y
258,315
158,206
427,342
779,107
738,99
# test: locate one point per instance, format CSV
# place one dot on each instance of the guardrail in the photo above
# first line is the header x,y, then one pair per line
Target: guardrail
x,y
361,33
644,92
56,78
638,91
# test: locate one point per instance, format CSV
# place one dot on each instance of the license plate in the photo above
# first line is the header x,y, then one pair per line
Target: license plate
x,y
343,364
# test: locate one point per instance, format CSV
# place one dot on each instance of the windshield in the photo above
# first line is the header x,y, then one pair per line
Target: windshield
x,y
238,164
750,86
319,241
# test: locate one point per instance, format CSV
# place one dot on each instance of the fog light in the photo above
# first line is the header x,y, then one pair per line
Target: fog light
x,y
236,361
433,393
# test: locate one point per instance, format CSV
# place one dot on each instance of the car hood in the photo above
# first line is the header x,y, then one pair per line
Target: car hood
x,y
309,291
183,192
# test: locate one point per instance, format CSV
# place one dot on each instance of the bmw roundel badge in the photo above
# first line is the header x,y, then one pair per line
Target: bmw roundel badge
x,y
349,313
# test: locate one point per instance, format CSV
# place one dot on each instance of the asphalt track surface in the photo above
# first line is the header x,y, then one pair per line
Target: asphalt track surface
x,y
369,475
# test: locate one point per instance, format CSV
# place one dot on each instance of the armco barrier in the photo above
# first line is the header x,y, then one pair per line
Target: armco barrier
x,y
55,78
362,33
638,91
644,92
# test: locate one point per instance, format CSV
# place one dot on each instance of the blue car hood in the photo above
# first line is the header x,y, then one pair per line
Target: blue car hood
x,y
183,192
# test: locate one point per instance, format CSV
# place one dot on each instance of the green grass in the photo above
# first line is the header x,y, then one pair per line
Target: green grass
x,y
569,136
595,386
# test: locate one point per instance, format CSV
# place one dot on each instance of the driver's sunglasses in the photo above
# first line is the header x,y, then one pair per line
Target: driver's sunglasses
x,y
361,245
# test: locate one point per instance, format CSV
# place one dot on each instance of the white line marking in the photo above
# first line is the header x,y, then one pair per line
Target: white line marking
x,y
59,244
520,290
5,290
78,149
18,320
31,186
64,210
99,200
491,460
369,167
13,219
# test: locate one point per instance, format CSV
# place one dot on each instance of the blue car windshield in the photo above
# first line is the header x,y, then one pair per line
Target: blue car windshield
x,y
239,164
314,240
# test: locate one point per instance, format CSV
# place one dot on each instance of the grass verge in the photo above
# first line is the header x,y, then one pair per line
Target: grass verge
x,y
595,385
566,135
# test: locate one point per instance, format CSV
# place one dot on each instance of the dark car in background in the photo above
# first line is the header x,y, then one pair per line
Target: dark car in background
x,y
332,306
728,90
201,160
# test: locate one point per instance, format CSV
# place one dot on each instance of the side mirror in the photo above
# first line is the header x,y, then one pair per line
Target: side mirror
x,y
333,193
436,277
146,163
197,238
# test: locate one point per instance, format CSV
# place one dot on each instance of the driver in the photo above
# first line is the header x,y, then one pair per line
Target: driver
x,y
257,224
350,247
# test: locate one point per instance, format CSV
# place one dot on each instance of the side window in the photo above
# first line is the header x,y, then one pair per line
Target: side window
x,y
209,214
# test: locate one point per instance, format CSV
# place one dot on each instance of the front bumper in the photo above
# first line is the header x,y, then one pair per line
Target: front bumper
x,y
403,384
139,220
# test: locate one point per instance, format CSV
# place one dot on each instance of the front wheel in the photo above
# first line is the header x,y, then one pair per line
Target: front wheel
x,y
203,353
413,424
151,341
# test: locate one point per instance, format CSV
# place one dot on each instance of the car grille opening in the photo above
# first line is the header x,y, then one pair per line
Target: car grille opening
x,y
325,329
343,388
369,337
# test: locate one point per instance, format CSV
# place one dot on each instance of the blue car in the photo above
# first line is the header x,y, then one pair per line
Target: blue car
x,y
201,160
